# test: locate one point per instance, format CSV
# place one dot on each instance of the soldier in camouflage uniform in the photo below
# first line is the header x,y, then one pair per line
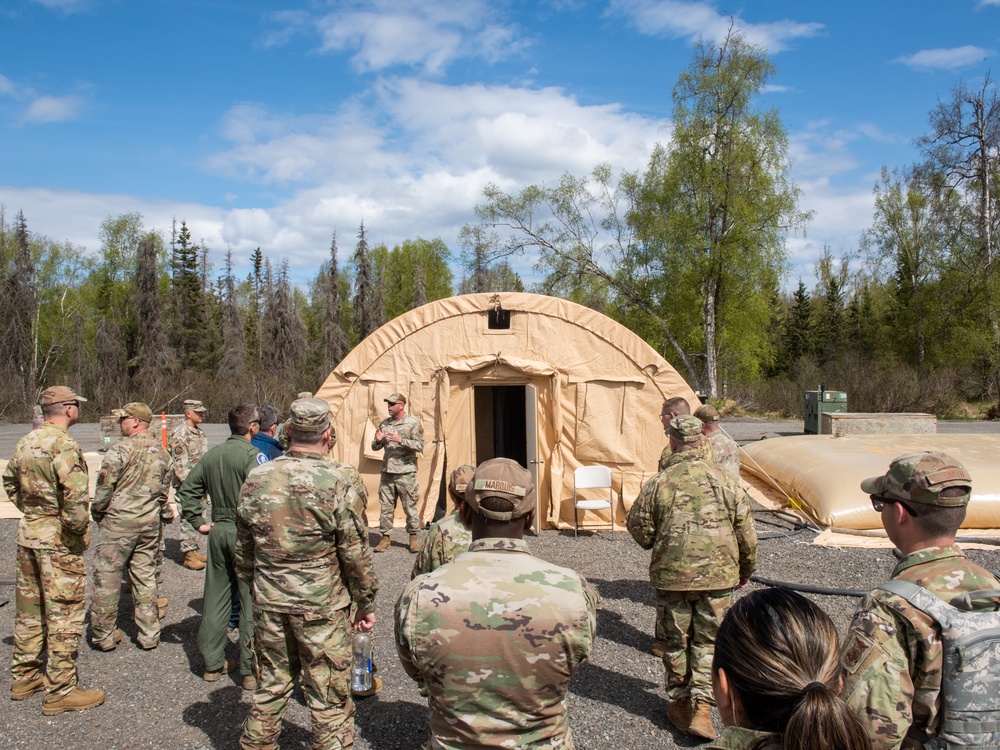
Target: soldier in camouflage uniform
x,y
46,480
449,537
677,407
892,655
303,548
699,525
129,504
187,444
725,450
493,637
402,437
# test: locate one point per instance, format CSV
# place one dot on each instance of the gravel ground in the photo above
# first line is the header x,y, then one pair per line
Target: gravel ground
x,y
158,699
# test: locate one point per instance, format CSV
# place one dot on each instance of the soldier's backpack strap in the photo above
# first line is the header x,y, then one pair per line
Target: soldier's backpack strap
x,y
970,677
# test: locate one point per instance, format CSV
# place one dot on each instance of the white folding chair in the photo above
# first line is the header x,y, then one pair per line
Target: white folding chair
x,y
591,478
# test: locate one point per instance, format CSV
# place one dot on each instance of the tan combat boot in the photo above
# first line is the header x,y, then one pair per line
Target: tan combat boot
x,y
701,722
679,713
658,649
414,543
193,561
383,544
161,606
109,645
203,558
78,700
21,689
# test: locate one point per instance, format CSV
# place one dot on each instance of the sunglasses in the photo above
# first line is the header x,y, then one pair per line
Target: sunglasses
x,y
880,501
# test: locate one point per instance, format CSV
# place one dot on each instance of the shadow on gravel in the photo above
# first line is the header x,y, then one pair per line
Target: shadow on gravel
x,y
638,591
399,725
613,627
221,718
631,694
185,633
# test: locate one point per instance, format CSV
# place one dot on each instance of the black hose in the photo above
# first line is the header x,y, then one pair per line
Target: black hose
x,y
806,588
778,535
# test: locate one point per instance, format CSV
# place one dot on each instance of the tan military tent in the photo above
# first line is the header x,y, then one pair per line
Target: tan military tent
x,y
538,379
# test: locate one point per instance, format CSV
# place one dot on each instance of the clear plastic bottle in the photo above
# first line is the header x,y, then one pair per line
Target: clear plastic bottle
x,y
361,646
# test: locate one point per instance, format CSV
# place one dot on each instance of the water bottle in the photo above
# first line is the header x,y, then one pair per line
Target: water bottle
x,y
361,647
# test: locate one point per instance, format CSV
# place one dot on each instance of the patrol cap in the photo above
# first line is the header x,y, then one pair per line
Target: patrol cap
x,y
394,397
193,405
304,394
58,394
707,413
459,480
135,409
920,477
501,477
685,429
309,415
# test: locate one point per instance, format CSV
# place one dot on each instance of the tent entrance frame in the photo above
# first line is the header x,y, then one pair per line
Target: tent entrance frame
x,y
505,426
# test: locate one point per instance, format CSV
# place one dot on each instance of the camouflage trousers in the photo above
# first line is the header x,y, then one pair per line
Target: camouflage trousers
x,y
405,487
689,622
319,649
116,553
49,617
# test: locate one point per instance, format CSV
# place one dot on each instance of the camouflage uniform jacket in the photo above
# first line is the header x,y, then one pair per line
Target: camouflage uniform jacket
x,y
726,452
492,639
704,450
353,476
699,524
187,445
892,654
401,458
446,540
132,485
740,738
220,474
47,481
300,543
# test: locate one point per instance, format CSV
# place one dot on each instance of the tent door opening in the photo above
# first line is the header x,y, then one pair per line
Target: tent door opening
x,y
506,426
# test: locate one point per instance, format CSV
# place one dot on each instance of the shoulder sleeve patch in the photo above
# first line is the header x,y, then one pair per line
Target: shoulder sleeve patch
x,y
261,458
856,651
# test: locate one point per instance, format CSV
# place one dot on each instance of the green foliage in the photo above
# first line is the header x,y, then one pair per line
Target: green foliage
x,y
412,274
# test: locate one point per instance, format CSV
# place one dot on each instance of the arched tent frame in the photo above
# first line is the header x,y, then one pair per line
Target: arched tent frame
x,y
595,386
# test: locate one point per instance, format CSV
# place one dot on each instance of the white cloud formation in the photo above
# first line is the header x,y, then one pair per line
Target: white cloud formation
x,y
383,34
685,19
946,58
46,109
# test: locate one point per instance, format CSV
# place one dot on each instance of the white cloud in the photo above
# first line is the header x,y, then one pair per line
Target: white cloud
x,y
684,19
47,109
987,3
383,34
946,58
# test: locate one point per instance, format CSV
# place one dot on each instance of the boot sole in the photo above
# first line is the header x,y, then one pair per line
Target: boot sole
x,y
46,711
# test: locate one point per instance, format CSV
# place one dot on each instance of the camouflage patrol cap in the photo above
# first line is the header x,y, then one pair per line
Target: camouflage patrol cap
x,y
459,480
58,394
685,429
309,415
304,394
501,477
193,405
707,413
135,409
394,397
920,477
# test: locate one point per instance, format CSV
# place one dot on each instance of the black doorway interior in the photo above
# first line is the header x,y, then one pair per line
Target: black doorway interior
x,y
500,426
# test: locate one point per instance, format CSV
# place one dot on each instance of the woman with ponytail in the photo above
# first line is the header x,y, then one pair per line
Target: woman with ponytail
x,y
776,678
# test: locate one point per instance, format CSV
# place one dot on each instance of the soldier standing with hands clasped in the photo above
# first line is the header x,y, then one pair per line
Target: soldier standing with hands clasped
x,y
47,481
303,549
402,437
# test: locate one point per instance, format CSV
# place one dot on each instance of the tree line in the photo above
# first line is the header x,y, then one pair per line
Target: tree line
x,y
690,253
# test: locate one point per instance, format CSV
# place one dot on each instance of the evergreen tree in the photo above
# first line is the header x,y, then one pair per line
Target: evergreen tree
x,y
154,357
233,361
285,330
799,328
18,342
366,296
335,341
189,301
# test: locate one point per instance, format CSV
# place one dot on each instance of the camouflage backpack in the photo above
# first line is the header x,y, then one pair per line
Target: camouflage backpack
x,y
970,678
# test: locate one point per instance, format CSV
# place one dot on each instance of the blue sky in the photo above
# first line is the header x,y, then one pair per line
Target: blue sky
x,y
273,124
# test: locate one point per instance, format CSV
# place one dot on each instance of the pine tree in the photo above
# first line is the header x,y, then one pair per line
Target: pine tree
x,y
799,326
189,301
365,293
285,330
154,358
335,342
234,344
18,348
